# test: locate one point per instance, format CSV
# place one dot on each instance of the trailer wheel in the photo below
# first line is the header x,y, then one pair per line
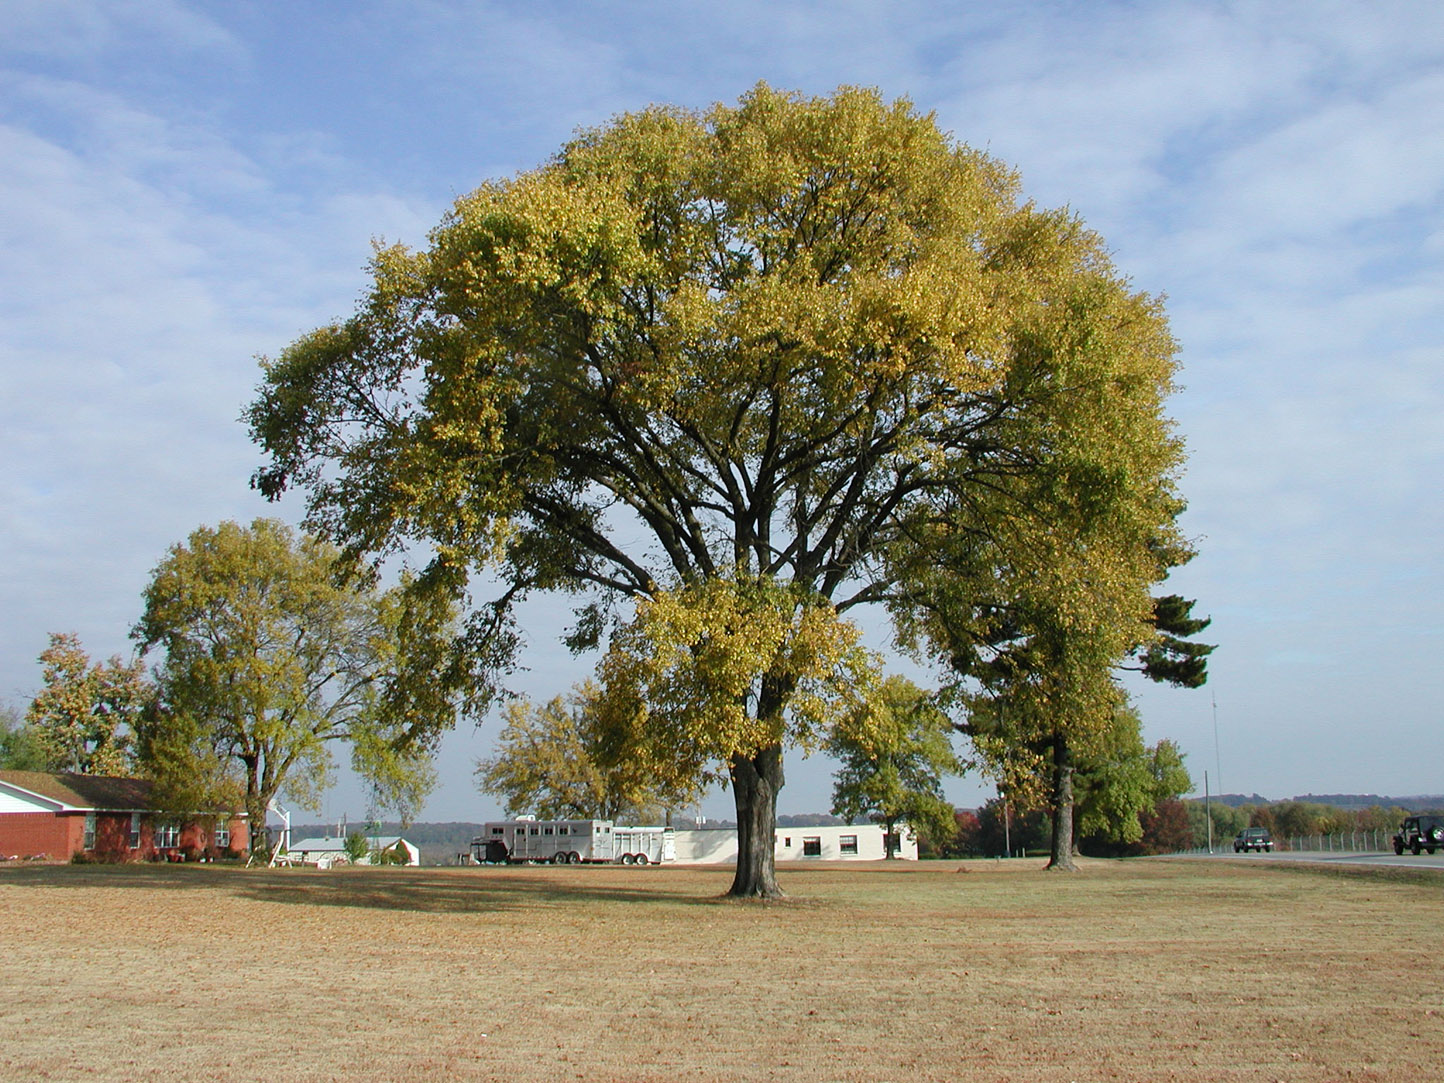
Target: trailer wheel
x,y
641,859
627,859
559,858
575,858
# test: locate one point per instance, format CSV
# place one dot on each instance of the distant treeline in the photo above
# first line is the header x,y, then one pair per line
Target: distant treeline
x,y
1305,817
1176,824
1415,803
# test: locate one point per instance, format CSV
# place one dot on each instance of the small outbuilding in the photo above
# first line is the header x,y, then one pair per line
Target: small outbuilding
x,y
330,851
54,816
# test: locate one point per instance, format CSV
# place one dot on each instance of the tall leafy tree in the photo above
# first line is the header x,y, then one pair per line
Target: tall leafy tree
x,y
552,760
84,717
893,757
1039,659
809,344
271,657
191,772
1048,701
1052,723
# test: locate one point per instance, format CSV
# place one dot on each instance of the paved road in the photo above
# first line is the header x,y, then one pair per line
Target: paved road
x,y
1407,860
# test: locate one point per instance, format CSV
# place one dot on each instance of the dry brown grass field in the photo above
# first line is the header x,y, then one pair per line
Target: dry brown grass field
x,y
1143,970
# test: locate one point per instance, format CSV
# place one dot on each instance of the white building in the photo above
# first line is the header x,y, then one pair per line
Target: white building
x,y
858,842
329,851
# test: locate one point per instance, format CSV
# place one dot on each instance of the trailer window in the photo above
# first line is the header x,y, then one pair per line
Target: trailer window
x,y
811,846
847,844
531,830
546,831
564,830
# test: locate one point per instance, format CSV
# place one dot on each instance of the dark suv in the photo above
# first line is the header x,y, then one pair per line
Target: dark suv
x,y
1419,833
1253,838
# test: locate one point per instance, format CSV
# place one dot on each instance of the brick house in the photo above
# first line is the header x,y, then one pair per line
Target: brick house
x,y
57,816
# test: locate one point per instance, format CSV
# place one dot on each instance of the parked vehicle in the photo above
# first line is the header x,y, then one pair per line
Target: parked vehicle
x,y
571,842
1253,838
1419,833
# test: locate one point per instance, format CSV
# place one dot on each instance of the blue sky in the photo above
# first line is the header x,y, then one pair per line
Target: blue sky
x,y
185,186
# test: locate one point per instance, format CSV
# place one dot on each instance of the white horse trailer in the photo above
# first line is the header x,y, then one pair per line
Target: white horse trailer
x,y
567,842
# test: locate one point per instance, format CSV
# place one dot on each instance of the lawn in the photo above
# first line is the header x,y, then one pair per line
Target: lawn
x,y
1143,970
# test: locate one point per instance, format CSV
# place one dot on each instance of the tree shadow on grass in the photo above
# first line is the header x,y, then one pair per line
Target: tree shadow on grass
x,y
458,891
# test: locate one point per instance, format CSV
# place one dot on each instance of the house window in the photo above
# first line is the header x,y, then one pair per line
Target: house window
x,y
167,836
89,841
134,831
811,846
223,836
787,842
847,844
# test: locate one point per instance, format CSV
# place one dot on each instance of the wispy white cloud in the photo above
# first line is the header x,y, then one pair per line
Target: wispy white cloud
x,y
87,29
147,261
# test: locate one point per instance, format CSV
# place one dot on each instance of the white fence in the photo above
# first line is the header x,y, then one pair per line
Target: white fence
x,y
1347,842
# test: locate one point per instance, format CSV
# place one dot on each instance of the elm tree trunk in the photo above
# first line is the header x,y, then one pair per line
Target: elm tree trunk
x,y
1061,856
756,781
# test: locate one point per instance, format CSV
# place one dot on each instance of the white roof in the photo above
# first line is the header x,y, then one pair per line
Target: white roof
x,y
336,846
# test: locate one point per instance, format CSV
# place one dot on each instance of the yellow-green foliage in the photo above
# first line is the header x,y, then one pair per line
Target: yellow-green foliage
x,y
270,656
725,668
552,761
894,752
791,344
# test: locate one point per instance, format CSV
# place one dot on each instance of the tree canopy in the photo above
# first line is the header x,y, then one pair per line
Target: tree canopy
x,y
552,761
1125,780
85,716
804,344
893,756
270,658
1048,705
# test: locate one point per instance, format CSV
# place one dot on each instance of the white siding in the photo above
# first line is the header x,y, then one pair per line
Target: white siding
x,y
15,800
720,847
